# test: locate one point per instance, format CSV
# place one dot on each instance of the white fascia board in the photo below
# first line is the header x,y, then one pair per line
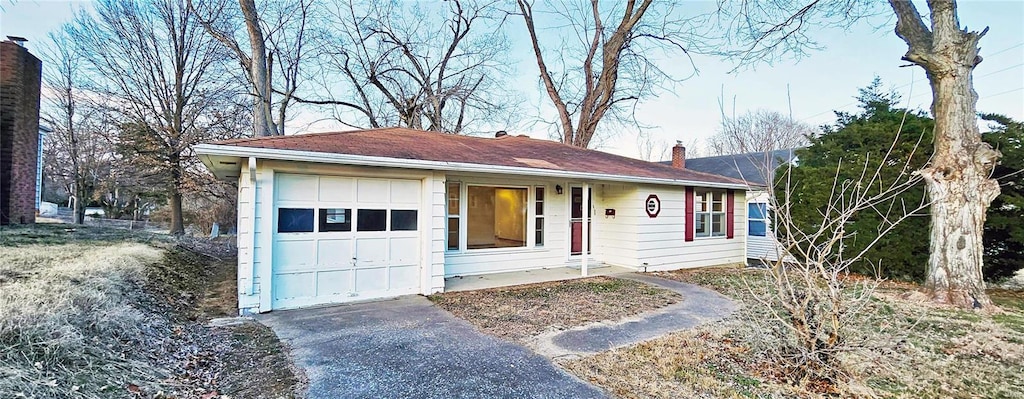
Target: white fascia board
x,y
362,160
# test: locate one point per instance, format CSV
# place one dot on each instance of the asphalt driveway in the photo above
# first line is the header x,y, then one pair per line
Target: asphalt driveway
x,y
408,348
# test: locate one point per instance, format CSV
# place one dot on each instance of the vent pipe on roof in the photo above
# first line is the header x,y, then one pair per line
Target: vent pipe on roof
x,y
679,155
500,133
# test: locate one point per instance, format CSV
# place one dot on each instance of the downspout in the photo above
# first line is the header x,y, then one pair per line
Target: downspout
x,y
249,286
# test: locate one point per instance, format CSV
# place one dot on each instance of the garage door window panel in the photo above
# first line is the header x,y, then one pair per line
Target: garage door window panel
x,y
335,219
295,220
403,220
372,220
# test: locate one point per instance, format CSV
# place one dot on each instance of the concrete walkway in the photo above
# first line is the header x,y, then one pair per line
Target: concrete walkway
x,y
409,348
699,305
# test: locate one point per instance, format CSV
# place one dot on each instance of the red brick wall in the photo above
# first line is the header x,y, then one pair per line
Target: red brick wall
x,y
20,74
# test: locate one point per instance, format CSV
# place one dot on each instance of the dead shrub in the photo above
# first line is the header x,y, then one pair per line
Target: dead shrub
x,y
811,304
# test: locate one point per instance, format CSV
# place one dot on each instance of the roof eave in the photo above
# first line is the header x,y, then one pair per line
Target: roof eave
x,y
362,160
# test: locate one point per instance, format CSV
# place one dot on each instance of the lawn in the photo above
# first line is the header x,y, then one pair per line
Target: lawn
x,y
98,313
522,312
912,349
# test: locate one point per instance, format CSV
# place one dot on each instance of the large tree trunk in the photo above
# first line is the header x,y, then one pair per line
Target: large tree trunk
x,y
961,190
259,70
958,178
177,218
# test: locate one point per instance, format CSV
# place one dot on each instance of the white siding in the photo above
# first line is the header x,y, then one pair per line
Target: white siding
x,y
434,252
615,237
248,298
660,242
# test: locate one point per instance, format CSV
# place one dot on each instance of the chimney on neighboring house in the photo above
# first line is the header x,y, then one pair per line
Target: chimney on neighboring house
x,y
20,84
679,155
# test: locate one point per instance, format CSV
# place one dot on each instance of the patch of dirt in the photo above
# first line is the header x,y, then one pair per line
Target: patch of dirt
x,y
241,361
520,312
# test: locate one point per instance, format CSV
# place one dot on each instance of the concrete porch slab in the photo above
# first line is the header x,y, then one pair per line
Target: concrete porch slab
x,y
469,283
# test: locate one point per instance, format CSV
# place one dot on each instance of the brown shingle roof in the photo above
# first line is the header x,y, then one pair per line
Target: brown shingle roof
x,y
512,151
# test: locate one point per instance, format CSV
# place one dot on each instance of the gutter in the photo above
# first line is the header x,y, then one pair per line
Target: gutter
x,y
362,160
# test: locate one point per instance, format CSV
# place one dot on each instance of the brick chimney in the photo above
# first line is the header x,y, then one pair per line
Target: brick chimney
x,y
679,155
20,79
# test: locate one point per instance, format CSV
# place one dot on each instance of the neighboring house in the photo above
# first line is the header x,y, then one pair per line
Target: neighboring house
x,y
347,216
756,169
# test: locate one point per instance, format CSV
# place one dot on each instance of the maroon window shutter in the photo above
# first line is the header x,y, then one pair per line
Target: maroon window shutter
x,y
688,226
730,205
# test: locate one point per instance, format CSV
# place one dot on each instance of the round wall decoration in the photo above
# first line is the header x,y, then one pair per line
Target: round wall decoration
x,y
653,205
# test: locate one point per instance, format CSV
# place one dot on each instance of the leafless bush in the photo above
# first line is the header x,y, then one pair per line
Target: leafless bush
x,y
813,304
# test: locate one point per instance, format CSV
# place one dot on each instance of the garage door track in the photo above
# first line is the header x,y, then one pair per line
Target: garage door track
x,y
408,348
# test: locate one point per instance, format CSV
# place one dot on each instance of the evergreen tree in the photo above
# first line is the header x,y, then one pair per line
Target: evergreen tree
x,y
857,143
860,141
1004,230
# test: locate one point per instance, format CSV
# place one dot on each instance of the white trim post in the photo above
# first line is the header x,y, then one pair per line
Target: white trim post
x,y
585,245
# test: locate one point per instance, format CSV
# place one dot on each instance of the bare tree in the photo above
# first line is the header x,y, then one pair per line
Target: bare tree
x,y
615,69
759,131
277,34
77,152
402,65
959,177
162,75
651,149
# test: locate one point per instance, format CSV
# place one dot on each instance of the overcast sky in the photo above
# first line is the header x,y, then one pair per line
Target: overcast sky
x,y
824,81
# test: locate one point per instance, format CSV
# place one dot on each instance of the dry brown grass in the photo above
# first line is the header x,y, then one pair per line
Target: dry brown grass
x,y
66,322
107,314
912,350
520,312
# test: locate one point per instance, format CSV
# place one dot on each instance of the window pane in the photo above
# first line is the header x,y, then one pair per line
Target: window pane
x,y
700,225
756,210
403,220
717,202
540,193
453,233
496,217
698,203
577,203
718,224
372,220
294,220
337,219
757,228
453,198
539,238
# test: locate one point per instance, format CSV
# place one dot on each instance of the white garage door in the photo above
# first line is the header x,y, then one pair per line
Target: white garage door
x,y
340,239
